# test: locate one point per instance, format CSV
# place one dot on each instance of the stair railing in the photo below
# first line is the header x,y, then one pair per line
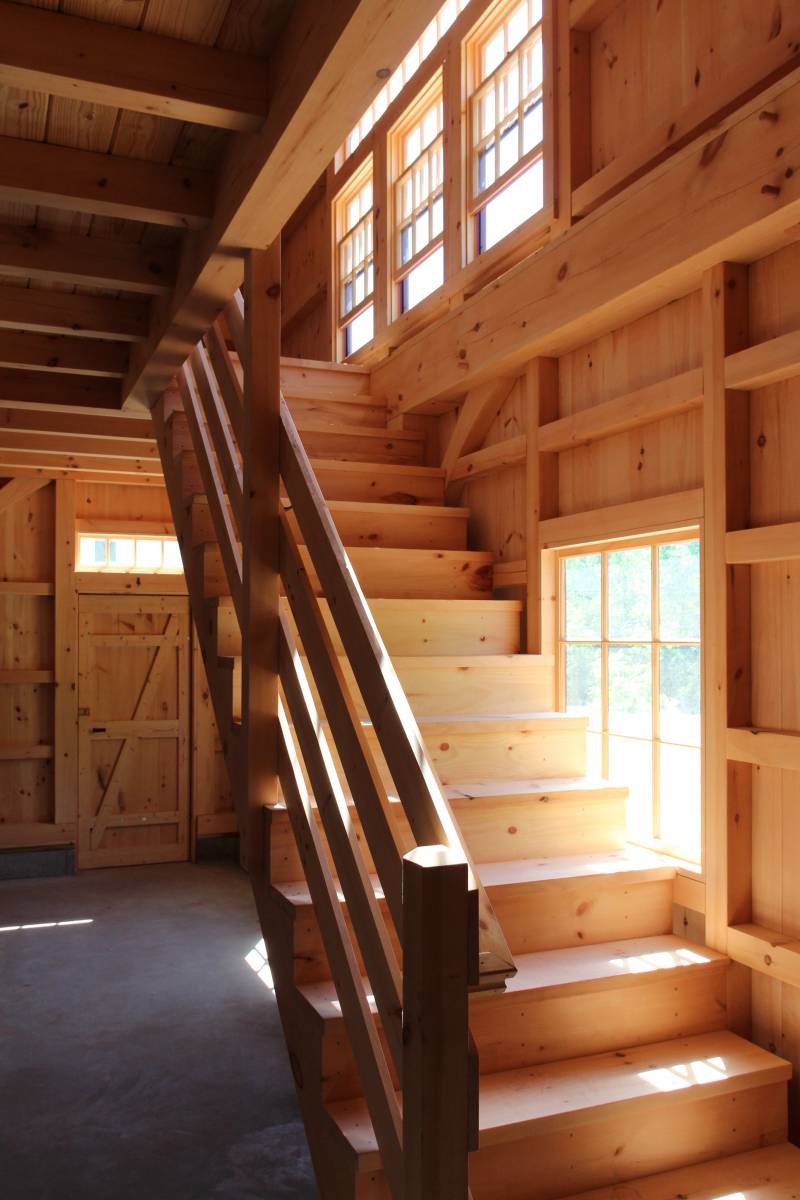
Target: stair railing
x,y
429,910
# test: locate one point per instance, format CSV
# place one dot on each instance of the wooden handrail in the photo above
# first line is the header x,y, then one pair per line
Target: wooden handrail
x,y
227,378
219,429
415,778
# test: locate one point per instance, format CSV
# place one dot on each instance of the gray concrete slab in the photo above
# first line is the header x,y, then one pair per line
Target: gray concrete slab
x,y
140,1055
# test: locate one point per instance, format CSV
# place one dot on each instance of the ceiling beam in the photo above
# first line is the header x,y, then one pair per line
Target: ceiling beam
x,y
126,68
76,444
87,425
53,257
67,355
105,184
323,73
724,197
60,312
76,391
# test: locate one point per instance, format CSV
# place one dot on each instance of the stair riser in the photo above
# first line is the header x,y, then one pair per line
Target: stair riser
x,y
395,485
320,410
414,629
359,445
523,1029
391,573
515,752
340,382
622,1147
557,914
411,529
487,835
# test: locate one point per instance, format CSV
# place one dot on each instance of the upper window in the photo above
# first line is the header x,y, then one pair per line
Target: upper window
x,y
418,155
506,116
117,553
355,262
397,81
630,661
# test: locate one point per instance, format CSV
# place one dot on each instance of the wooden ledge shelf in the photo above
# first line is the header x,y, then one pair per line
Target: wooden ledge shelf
x,y
765,363
510,452
679,510
667,398
764,748
766,951
22,753
769,543
27,676
21,588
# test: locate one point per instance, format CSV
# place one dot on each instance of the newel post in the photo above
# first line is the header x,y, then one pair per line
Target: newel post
x,y
438,1097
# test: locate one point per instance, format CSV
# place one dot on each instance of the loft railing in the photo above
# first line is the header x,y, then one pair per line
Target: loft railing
x,y
427,933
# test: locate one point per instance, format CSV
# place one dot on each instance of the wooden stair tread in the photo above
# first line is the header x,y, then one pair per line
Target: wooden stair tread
x,y
384,508
632,862
772,1173
552,1096
310,425
488,789
482,722
379,468
576,970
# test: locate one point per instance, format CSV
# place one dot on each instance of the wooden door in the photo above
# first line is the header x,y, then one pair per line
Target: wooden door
x,y
133,727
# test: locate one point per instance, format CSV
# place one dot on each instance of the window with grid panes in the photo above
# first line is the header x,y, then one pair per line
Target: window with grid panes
x,y
630,661
418,152
121,553
355,262
506,113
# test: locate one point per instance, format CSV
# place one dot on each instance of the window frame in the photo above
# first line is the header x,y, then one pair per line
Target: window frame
x,y
604,548
432,94
476,200
348,193
124,531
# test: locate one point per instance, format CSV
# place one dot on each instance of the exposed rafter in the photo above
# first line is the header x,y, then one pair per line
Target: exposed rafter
x,y
323,72
106,184
59,312
67,355
108,64
54,257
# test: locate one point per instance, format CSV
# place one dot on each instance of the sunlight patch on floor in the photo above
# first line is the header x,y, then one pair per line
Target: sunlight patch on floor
x,y
46,925
257,961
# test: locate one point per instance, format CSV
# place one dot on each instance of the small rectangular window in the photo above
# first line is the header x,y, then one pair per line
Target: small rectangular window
x,y
121,553
506,115
630,660
355,262
418,153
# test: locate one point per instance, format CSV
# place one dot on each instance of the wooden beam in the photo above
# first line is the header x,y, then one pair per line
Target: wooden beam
x,y
40,387
72,445
15,490
129,68
764,748
65,721
58,312
679,510
47,474
86,425
667,398
323,75
54,257
105,184
66,355
24,753
765,363
474,419
770,543
727,687
651,246
540,401
66,463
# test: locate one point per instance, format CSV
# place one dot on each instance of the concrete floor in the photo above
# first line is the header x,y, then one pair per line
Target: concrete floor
x,y
140,1055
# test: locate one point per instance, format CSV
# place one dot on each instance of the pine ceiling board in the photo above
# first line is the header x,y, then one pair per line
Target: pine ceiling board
x,y
23,113
196,21
81,124
142,135
113,12
253,26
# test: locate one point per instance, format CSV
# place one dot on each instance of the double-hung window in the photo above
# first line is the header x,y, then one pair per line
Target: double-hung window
x,y
418,153
355,262
506,118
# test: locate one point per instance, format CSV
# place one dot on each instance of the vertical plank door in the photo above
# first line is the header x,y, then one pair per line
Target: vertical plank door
x,y
133,730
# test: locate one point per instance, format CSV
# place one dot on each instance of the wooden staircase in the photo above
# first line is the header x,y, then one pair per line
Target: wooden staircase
x,y
604,1050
